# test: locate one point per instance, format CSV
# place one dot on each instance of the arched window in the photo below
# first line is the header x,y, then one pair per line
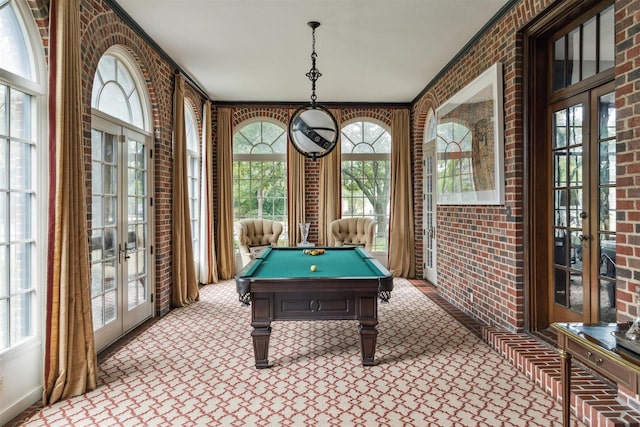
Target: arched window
x,y
366,175
455,169
22,167
260,172
23,207
193,177
115,93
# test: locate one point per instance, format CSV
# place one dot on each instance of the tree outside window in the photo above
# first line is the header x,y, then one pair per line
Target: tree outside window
x,y
366,176
260,173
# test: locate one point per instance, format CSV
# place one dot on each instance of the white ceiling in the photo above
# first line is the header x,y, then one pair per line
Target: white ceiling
x,y
260,50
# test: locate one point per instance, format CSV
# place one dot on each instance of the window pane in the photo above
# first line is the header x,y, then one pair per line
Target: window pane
x,y
21,313
14,52
20,264
4,117
107,68
559,64
573,57
589,43
4,270
20,215
113,101
4,324
4,218
20,167
124,78
607,116
608,162
560,129
136,110
4,163
607,44
20,115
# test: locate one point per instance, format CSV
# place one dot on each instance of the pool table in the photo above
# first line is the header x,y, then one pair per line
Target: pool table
x,y
279,284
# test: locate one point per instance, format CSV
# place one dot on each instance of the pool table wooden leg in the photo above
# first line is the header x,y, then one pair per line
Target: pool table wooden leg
x,y
260,337
368,335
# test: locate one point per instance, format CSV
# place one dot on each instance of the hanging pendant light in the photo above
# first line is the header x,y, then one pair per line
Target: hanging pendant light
x,y
313,130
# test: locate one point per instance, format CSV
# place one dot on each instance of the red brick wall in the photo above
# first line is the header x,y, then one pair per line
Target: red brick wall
x,y
627,16
480,248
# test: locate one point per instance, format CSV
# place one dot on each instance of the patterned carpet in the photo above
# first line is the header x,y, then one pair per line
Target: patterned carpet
x,y
195,367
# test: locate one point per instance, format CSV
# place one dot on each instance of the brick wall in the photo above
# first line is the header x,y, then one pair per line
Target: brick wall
x,y
480,248
627,15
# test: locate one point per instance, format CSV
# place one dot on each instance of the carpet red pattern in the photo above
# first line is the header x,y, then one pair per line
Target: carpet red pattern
x,y
195,367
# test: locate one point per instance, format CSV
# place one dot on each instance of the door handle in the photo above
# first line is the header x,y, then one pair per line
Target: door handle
x,y
583,237
123,254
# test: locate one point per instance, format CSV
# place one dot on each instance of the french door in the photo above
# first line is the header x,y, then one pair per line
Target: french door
x,y
429,214
583,138
121,285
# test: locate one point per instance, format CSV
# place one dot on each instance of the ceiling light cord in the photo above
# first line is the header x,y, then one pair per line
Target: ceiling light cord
x,y
313,74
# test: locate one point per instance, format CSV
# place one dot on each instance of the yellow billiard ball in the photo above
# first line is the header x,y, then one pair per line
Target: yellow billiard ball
x,y
314,267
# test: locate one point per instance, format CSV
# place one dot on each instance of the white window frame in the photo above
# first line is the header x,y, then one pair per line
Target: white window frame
x,y
264,157
194,163
21,364
350,157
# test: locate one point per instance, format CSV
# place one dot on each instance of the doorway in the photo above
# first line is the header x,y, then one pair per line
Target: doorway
x,y
571,182
584,229
429,216
121,292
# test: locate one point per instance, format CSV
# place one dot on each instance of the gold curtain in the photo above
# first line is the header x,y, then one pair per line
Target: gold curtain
x,y
70,356
330,188
185,285
207,270
296,192
224,234
401,230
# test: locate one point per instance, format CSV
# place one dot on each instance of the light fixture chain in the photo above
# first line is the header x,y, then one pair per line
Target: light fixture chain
x,y
313,74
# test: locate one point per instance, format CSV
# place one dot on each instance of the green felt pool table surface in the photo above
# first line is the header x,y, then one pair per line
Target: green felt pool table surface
x,y
335,262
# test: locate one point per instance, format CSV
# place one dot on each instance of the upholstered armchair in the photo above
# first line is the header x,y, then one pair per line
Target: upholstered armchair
x,y
255,234
353,232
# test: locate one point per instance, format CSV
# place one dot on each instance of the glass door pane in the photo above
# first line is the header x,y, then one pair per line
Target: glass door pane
x,y
568,257
136,248
607,207
103,231
136,224
429,215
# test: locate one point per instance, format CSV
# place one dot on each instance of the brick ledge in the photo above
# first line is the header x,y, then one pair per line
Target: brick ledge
x,y
593,401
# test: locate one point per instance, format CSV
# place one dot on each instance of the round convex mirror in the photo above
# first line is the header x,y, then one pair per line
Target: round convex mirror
x,y
313,131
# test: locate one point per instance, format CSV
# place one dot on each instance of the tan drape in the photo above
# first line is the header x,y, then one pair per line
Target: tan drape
x,y
70,356
330,188
224,231
185,286
295,192
401,230
207,268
